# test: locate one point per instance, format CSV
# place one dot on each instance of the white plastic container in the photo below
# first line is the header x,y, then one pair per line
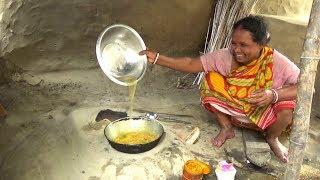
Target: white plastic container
x,y
225,171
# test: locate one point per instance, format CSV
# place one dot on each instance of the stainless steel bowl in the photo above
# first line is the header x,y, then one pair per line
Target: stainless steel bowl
x,y
117,50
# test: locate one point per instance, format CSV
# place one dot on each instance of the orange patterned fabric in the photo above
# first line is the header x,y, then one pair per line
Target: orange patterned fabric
x,y
232,92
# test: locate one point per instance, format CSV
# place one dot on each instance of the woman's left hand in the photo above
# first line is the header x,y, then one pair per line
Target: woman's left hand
x,y
261,97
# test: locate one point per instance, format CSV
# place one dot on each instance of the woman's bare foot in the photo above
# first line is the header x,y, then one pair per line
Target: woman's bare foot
x,y
224,134
278,149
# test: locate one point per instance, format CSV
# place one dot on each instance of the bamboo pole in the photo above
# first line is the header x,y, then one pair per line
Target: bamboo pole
x,y
308,64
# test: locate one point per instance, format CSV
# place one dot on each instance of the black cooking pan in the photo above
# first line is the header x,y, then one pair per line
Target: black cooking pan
x,y
127,125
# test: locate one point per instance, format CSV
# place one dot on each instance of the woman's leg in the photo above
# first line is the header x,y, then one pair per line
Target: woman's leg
x,y
284,118
226,129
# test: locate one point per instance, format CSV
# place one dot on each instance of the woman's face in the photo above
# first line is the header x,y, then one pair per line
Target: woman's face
x,y
243,48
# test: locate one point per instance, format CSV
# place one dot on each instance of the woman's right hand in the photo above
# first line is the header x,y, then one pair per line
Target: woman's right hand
x,y
151,55
185,64
261,97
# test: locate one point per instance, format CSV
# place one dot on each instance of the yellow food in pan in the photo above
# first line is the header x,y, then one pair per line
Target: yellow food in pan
x,y
136,138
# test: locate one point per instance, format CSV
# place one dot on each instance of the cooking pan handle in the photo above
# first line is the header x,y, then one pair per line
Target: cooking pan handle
x,y
151,116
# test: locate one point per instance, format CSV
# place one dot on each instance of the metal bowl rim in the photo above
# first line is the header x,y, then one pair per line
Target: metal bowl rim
x,y
99,55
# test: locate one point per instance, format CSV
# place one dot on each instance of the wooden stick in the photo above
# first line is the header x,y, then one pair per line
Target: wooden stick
x,y
308,62
3,112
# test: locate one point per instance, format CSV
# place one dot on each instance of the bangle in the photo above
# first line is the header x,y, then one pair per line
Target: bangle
x,y
156,59
275,95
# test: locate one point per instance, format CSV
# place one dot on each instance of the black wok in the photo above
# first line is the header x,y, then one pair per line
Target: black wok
x,y
127,125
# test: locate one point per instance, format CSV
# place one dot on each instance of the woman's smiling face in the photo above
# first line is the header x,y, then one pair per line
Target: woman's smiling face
x,y
243,47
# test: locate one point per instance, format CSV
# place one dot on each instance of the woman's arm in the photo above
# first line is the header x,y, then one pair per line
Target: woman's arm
x,y
287,93
264,97
185,64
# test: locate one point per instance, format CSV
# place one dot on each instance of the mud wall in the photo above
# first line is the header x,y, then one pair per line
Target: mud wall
x,y
180,25
296,9
29,29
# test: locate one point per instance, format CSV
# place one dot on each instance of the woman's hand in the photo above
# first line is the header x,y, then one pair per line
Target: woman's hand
x,y
184,64
151,55
261,97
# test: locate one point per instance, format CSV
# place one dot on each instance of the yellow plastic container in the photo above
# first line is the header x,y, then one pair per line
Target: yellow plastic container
x,y
195,169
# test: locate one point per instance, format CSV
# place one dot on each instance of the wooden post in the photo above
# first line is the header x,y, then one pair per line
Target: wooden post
x,y
308,65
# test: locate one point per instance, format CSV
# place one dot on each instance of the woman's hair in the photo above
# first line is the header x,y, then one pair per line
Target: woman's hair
x,y
256,26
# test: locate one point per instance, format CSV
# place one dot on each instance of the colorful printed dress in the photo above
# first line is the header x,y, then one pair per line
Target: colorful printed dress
x,y
228,91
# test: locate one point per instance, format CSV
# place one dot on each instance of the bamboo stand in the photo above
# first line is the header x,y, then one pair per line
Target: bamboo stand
x,y
308,64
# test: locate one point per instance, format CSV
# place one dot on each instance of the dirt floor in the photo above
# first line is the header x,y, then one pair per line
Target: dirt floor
x,y
51,132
